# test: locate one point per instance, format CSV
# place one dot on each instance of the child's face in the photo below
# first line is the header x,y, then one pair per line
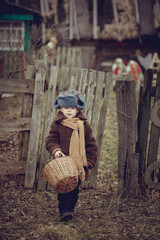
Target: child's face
x,y
69,112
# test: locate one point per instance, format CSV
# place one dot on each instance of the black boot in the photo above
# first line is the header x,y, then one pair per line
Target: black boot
x,y
66,216
67,203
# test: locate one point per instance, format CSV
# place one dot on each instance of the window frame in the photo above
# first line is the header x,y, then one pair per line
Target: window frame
x,y
13,39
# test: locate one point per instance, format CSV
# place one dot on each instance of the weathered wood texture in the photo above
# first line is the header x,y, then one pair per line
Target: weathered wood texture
x,y
155,130
66,56
21,125
143,120
15,66
148,130
127,133
95,87
35,128
48,119
26,113
99,124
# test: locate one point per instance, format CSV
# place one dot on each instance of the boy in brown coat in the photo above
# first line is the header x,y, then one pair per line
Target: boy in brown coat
x,y
71,135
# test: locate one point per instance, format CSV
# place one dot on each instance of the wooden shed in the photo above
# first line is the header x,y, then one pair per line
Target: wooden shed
x,y
106,29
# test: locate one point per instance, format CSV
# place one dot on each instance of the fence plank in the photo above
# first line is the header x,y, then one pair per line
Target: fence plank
x,y
35,128
143,120
155,131
48,119
74,78
90,95
8,168
13,125
127,130
100,129
17,85
73,60
69,57
97,101
63,79
26,112
63,56
58,57
83,81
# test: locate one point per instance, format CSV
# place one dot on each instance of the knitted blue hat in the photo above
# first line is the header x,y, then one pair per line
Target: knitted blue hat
x,y
70,98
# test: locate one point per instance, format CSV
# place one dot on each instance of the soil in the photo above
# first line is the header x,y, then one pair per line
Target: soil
x,y
100,214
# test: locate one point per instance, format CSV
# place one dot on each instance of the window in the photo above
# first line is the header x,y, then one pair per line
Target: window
x,y
12,35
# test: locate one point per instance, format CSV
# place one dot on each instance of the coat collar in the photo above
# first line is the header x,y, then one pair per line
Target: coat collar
x,y
59,117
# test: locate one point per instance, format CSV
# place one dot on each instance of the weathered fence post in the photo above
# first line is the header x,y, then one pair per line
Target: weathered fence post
x,y
143,121
26,112
127,132
155,126
35,128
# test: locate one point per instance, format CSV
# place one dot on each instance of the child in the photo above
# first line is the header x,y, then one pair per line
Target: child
x,y
71,135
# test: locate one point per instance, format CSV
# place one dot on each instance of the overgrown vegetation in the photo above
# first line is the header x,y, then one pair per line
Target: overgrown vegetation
x,y
100,213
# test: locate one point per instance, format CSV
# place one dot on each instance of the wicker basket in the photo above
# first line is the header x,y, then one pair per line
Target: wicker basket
x,y
62,174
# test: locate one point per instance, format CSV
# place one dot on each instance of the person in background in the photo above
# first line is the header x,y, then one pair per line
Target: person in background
x,y
51,46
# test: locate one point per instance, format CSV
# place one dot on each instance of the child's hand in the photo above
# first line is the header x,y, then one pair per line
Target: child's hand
x,y
59,154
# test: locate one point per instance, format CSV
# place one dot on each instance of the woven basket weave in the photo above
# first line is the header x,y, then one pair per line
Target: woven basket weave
x,y
62,174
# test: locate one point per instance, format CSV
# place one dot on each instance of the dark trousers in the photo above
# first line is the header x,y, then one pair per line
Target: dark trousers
x,y
67,201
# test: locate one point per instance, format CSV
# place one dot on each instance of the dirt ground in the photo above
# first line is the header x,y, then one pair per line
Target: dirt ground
x,y
100,214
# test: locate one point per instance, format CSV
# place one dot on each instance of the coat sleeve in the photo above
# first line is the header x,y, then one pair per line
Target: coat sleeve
x,y
91,145
53,140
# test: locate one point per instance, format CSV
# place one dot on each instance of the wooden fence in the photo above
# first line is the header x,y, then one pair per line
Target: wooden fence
x,y
95,87
22,125
139,133
149,131
18,77
138,153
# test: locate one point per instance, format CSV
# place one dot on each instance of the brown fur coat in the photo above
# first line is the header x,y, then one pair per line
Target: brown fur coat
x,y
59,138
